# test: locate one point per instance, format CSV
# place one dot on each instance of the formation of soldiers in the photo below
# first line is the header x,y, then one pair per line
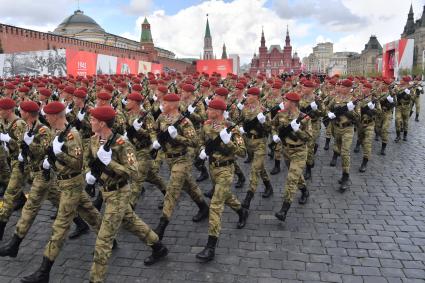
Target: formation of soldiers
x,y
90,142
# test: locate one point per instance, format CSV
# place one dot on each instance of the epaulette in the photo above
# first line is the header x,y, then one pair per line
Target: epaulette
x,y
70,136
185,121
120,141
42,130
207,122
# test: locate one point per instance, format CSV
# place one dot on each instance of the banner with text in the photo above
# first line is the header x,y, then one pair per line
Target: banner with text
x,y
80,63
222,66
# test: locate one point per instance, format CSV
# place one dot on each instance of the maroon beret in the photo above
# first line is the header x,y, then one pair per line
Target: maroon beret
x,y
69,89
347,83
45,92
54,107
205,84
104,96
292,96
188,88
7,103
240,86
135,96
10,86
222,91
109,88
217,104
308,83
163,89
136,87
103,113
80,93
254,91
29,106
171,97
24,89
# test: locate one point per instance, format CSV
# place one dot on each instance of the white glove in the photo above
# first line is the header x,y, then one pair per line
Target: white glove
x,y
407,91
5,138
390,99
191,109
68,109
142,108
90,179
136,125
207,101
154,98
241,130
331,115
281,106
46,164
295,126
124,101
226,115
371,105
261,118
350,106
225,136
20,157
104,156
80,116
419,87
314,106
319,92
203,155
276,139
42,112
172,131
161,108
28,139
57,146
240,106
6,149
156,145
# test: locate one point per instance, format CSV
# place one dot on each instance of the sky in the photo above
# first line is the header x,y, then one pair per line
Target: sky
x,y
179,26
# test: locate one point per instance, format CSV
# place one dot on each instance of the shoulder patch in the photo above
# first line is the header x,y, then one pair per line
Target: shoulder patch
x,y
207,122
70,136
120,141
42,130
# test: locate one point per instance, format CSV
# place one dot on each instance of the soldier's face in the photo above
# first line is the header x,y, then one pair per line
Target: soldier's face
x,y
214,114
101,102
345,90
307,90
252,99
170,106
96,125
3,113
131,104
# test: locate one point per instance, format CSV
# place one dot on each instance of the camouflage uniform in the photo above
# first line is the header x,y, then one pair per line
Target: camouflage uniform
x,y
383,120
402,110
4,164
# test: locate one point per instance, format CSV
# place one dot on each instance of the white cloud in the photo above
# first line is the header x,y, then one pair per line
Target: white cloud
x,y
138,7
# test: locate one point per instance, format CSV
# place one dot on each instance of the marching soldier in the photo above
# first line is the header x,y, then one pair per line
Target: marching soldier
x,y
405,97
387,104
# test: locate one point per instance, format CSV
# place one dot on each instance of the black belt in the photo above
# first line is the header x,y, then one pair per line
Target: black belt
x,y
67,176
344,125
114,187
222,163
294,145
254,136
175,155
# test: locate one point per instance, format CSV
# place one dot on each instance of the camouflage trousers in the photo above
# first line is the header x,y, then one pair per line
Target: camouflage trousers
x,y
329,131
222,179
382,124
278,151
343,140
145,169
86,154
258,168
156,164
73,200
402,115
117,212
13,190
365,136
295,159
180,179
417,104
315,125
4,167
40,191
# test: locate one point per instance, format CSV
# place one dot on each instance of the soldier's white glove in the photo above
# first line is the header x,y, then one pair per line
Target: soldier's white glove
x,y
124,101
191,109
207,101
136,125
104,156
172,131
371,105
20,157
225,136
68,109
331,115
142,108
46,164
156,145
281,106
42,112
161,108
203,155
319,92
154,97
242,130
28,139
5,148
351,106
57,146
226,115
390,99
314,106
407,91
90,179
419,87
80,116
240,106
295,125
5,138
276,139
261,118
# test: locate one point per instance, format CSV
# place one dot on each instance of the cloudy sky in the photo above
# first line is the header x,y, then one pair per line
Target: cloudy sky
x,y
180,25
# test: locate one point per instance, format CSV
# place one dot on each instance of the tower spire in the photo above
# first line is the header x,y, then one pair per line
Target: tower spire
x,y
224,53
208,49
263,40
287,39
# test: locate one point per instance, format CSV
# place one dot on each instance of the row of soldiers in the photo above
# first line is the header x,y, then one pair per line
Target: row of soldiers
x,y
111,133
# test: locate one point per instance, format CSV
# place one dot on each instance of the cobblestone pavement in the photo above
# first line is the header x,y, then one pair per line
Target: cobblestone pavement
x,y
375,232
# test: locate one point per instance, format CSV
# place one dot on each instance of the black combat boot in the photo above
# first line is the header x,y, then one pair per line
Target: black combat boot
x,y
405,136
249,158
417,117
12,247
357,148
160,229
20,202
2,226
161,202
204,174
345,182
243,215
334,159
328,140
316,146
376,136
281,215
158,251
241,180
3,187
210,193
247,201
397,139
384,145
304,195
208,253
98,202
81,228
202,213
268,189
42,274
307,174
276,168
271,153
362,168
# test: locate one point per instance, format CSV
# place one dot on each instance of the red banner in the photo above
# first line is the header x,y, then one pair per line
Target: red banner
x,y
80,63
156,68
222,66
127,66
